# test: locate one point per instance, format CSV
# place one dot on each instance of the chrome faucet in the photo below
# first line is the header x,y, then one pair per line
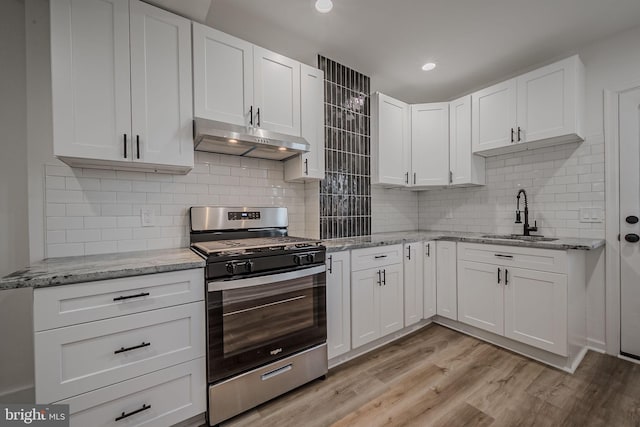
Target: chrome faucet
x,y
527,228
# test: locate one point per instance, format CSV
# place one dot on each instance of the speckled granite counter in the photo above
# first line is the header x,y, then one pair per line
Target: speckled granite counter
x,y
64,271
380,239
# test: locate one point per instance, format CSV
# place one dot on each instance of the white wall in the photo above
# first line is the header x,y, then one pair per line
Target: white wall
x,y
16,350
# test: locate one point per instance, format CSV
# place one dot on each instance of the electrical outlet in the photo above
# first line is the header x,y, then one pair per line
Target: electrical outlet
x,y
590,214
146,214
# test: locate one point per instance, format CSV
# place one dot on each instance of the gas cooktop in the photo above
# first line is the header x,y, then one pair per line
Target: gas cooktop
x,y
251,245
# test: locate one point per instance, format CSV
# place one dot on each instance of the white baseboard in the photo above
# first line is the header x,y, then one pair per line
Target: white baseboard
x,y
21,395
596,345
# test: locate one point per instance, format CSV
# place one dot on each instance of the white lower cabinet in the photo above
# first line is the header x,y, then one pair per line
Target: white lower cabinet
x,y
338,303
447,292
377,296
127,353
525,305
413,283
429,279
159,399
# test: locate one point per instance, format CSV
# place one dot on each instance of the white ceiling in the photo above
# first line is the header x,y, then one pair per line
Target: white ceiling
x,y
474,42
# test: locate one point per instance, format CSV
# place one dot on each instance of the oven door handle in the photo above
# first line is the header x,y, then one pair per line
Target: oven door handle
x,y
269,279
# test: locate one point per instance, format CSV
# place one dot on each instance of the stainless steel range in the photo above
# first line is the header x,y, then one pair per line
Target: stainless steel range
x,y
266,312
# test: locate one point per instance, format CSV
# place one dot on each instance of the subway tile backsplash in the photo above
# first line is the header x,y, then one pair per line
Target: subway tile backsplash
x,y
92,211
345,193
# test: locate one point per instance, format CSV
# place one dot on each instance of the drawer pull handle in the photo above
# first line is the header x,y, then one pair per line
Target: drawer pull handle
x,y
277,372
125,415
122,349
380,256
504,256
143,294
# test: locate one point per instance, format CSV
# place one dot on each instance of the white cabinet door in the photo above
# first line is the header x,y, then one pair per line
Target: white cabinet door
x,y
493,121
338,303
413,283
309,165
161,87
548,102
466,168
429,279
222,76
276,92
429,145
536,309
447,293
90,74
481,295
391,300
391,143
365,306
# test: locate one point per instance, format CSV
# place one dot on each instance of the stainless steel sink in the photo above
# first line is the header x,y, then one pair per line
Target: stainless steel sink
x,y
519,237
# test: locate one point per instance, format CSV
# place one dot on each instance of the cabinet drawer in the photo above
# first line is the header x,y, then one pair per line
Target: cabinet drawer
x,y
173,395
77,359
72,304
511,256
375,257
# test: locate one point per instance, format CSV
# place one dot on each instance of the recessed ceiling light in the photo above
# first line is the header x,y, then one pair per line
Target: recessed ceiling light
x,y
282,148
429,66
233,141
324,6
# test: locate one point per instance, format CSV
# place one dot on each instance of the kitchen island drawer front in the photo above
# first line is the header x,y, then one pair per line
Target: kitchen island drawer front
x,y
378,256
159,399
86,302
549,260
77,359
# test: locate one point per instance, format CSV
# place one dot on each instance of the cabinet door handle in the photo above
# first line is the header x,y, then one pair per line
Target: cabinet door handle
x,y
384,277
409,252
138,146
251,116
380,256
306,166
330,264
125,415
512,135
519,130
379,278
406,177
429,249
450,177
414,177
121,298
498,276
506,277
258,117
125,145
135,347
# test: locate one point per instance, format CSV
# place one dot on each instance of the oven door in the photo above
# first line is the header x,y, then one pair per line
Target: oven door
x,y
257,320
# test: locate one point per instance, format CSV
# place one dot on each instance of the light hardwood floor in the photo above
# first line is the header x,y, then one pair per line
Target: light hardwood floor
x,y
439,377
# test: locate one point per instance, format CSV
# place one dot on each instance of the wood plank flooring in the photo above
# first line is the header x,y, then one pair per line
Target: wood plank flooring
x,y
439,377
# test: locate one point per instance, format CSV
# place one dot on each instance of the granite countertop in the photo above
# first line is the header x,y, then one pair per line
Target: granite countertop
x,y
68,270
392,238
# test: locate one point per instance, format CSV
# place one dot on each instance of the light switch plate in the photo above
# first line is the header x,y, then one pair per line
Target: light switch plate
x,y
147,217
590,214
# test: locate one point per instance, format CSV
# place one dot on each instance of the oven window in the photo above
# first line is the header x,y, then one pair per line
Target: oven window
x,y
255,316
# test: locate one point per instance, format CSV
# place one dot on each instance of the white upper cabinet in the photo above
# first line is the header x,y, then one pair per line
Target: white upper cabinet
x,y
309,166
429,145
540,108
222,76
239,83
391,141
161,92
466,168
90,73
121,85
276,92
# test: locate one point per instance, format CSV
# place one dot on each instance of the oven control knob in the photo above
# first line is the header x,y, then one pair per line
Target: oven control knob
x,y
232,268
311,258
301,259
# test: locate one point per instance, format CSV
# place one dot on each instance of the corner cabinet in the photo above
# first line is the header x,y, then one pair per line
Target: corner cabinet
x,y
390,141
309,166
540,108
243,84
466,168
446,280
413,283
377,293
429,279
429,145
338,303
121,86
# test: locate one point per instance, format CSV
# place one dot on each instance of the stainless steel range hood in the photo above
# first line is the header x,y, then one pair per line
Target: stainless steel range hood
x,y
225,138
